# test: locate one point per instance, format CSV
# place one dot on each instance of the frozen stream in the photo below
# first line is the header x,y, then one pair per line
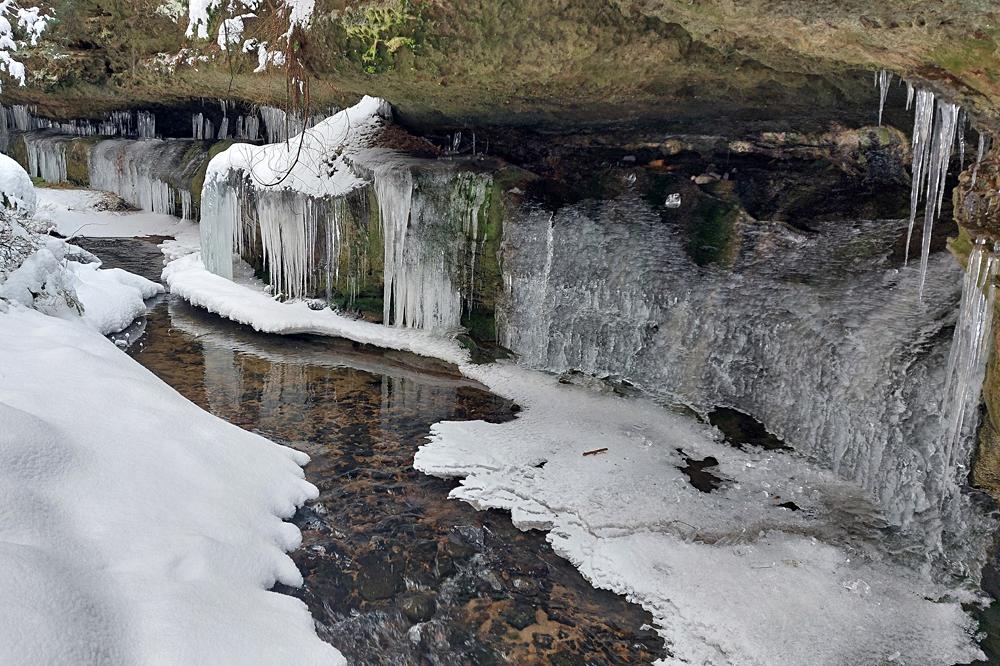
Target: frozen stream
x,y
384,550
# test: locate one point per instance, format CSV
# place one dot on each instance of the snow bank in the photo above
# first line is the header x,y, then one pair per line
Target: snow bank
x,y
731,577
16,186
126,539
188,278
50,281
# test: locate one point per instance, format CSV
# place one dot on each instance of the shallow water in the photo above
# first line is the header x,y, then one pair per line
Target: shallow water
x,y
395,573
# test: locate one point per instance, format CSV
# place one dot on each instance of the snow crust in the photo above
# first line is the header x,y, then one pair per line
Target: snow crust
x,y
730,577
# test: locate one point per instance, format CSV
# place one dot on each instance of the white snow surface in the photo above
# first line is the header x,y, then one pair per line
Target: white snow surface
x,y
16,186
314,162
125,539
730,577
74,213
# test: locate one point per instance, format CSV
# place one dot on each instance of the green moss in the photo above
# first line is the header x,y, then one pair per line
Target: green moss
x,y
78,161
382,29
961,246
198,180
712,239
18,151
971,54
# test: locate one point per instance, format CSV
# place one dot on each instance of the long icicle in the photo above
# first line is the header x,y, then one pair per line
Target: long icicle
x,y
882,80
945,127
923,119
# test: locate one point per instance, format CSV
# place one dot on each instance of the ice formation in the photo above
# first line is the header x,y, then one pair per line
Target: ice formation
x,y
933,138
970,349
312,165
202,128
46,157
980,151
787,335
882,80
151,174
730,578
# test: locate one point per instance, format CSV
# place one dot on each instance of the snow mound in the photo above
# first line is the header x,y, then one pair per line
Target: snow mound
x,y
50,281
125,539
15,186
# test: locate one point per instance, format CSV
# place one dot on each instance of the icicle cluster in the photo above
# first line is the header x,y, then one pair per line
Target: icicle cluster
x,y
970,347
418,290
46,158
140,124
935,126
248,128
128,169
882,80
145,125
202,128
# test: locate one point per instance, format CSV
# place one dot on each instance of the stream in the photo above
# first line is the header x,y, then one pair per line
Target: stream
x,y
395,572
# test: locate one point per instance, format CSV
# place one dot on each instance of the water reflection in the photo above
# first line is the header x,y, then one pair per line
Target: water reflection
x,y
395,572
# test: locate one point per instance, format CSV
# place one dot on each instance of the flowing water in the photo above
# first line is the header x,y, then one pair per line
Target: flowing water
x,y
395,573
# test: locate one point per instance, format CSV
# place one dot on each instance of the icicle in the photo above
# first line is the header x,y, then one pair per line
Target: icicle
x,y
46,158
970,347
288,224
945,125
882,80
280,125
933,138
979,159
909,95
186,205
418,291
224,128
221,219
961,139
146,124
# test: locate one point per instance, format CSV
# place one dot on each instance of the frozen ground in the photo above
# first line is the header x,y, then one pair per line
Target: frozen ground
x,y
730,576
135,527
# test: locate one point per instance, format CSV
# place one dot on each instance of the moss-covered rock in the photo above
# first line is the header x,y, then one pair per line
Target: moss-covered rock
x,y
564,65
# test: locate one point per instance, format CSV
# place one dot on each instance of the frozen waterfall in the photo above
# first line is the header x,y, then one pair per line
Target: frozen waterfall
x,y
970,349
46,157
153,174
790,334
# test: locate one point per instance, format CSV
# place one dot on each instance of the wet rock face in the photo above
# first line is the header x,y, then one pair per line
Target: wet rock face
x,y
977,200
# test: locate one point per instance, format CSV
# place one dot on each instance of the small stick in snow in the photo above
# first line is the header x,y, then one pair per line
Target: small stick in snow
x,y
595,451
